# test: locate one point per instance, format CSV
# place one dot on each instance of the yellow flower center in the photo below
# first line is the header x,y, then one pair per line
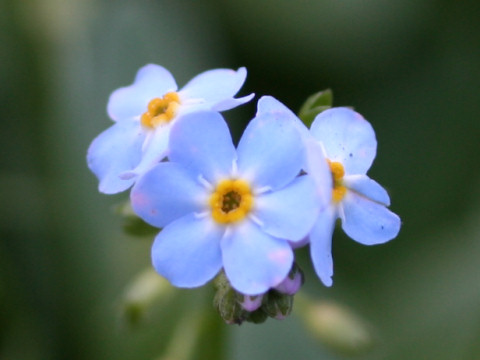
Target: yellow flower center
x,y
161,110
339,190
231,201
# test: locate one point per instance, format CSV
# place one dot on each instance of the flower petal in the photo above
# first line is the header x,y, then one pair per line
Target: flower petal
x,y
289,213
368,222
317,167
367,187
187,251
151,81
347,138
253,260
202,143
270,152
270,105
216,88
114,151
154,148
166,193
321,245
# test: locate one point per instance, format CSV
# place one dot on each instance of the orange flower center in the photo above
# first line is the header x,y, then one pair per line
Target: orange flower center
x,y
161,111
339,190
231,201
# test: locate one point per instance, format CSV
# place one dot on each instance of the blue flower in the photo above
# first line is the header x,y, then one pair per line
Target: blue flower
x,y
349,144
224,207
144,113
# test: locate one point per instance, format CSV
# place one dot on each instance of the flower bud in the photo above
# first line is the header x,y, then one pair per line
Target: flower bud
x,y
251,303
278,305
235,307
337,327
141,293
292,282
228,301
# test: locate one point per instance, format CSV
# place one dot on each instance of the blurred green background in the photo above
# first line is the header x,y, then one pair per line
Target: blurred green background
x,y
412,68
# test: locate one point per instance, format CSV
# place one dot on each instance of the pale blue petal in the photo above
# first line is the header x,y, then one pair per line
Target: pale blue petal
x,y
202,143
347,138
367,187
231,103
270,152
114,151
270,105
368,222
216,88
317,167
187,251
166,193
321,245
154,150
289,213
253,260
150,82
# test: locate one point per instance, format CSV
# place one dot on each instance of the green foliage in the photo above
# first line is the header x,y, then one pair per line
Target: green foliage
x,y
314,105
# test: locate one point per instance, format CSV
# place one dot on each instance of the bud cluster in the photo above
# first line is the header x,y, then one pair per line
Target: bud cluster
x,y
235,307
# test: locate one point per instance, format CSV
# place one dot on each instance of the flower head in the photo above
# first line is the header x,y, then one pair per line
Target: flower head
x,y
144,113
222,207
349,144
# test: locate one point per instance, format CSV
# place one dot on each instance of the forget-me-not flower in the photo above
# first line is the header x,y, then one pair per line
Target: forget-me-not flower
x,y
144,113
226,207
350,146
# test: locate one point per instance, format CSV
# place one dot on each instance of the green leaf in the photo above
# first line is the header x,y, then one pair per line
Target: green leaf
x,y
314,105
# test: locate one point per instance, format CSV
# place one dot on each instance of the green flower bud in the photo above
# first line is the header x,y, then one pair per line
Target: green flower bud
x,y
228,301
278,305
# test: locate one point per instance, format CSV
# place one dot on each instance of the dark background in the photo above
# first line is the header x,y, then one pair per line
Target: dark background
x,y
412,68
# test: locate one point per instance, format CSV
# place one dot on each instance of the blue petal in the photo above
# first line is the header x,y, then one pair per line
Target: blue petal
x,y
317,167
154,148
150,82
187,252
368,222
202,143
216,88
290,212
166,193
270,152
114,151
270,105
347,138
365,186
321,245
253,260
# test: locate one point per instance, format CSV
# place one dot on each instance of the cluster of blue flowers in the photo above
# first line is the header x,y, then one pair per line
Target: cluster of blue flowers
x,y
239,209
